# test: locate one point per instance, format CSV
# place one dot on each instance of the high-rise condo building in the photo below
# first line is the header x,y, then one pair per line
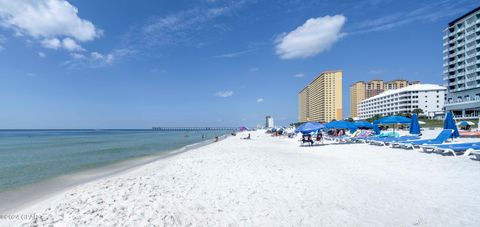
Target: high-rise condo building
x,y
461,65
362,90
321,100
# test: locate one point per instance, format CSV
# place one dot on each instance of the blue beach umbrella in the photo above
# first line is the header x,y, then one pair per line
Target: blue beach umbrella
x,y
363,124
465,123
393,120
414,125
342,125
376,129
449,123
309,127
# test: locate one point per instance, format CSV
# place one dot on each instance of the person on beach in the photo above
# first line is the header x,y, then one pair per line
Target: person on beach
x,y
248,137
216,139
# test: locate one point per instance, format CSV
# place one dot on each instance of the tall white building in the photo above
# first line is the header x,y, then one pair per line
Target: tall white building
x,y
461,65
428,97
269,122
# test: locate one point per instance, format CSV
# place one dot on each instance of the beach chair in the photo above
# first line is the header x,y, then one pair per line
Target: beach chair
x,y
361,137
310,141
440,139
459,148
389,140
456,147
476,153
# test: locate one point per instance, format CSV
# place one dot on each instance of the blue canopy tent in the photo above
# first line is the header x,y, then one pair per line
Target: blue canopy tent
x,y
449,123
363,124
393,120
414,125
342,125
309,127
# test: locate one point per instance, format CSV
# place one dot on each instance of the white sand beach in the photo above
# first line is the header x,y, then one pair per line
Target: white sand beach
x,y
272,181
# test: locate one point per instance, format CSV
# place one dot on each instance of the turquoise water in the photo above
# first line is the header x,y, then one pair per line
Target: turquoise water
x,y
31,156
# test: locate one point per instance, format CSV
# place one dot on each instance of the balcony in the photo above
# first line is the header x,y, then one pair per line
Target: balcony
x,y
472,100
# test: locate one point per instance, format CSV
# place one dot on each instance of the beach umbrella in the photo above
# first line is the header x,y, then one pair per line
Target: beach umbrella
x,y
449,123
363,124
309,127
393,120
376,129
465,123
342,125
414,125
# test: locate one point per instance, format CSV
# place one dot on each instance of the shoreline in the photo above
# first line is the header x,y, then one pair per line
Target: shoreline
x,y
17,199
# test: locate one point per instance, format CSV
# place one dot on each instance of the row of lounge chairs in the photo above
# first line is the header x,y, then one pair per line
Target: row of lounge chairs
x,y
437,144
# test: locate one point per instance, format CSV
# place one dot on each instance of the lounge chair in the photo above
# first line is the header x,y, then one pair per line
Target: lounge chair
x,y
361,137
441,138
476,153
455,147
389,140
460,148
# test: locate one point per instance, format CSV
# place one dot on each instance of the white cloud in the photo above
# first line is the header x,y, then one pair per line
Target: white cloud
x,y
55,23
71,45
2,41
46,19
431,12
67,44
42,55
234,54
53,43
223,94
260,100
184,27
299,75
313,37
78,56
96,59
108,58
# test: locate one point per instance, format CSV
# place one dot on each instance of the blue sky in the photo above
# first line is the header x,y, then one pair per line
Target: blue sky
x,y
138,64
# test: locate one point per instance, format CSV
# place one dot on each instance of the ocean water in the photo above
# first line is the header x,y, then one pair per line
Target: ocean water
x,y
31,156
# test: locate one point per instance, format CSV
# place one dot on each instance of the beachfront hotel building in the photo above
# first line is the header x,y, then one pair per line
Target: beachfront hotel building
x,y
428,97
321,100
461,65
362,90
